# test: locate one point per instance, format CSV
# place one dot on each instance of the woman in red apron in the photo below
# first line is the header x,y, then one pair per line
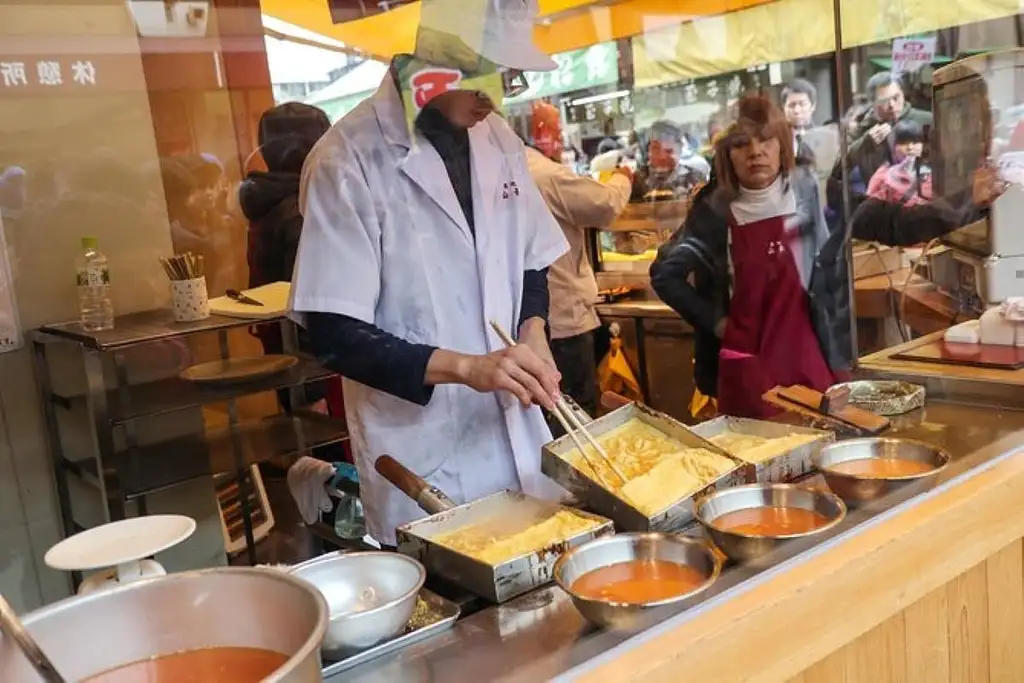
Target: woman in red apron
x,y
749,247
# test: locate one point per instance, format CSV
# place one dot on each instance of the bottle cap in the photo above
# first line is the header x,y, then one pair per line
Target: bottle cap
x,y
90,242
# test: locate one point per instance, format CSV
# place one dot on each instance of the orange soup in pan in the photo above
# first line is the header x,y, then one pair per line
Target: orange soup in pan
x,y
770,521
208,665
881,468
638,581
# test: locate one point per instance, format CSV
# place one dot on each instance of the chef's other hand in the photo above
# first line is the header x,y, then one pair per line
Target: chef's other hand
x,y
519,371
987,186
626,171
723,323
880,132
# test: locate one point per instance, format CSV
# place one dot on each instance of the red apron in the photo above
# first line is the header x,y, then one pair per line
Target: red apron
x,y
769,339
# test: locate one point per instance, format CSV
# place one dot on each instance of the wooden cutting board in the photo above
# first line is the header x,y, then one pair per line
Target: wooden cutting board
x,y
274,298
972,355
805,400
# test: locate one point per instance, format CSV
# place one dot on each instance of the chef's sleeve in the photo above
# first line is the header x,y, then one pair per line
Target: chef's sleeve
x,y
337,282
899,225
546,242
584,202
338,265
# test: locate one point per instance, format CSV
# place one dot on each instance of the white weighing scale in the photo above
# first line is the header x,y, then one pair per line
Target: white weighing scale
x,y
120,549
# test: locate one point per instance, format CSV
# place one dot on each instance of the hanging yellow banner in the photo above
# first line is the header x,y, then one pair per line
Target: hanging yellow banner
x,y
875,21
770,32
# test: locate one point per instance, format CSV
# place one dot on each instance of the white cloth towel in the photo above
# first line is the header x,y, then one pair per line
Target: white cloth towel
x,y
306,482
1013,309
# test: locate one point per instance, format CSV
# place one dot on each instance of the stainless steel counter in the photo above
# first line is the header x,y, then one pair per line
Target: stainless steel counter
x,y
541,636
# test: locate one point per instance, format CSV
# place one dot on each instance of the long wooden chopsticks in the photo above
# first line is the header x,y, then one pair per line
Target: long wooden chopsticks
x,y
570,423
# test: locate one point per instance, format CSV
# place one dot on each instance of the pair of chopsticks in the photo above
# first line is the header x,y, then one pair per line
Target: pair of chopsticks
x,y
570,423
185,266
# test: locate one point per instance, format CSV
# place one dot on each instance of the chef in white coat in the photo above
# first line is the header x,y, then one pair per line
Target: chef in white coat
x,y
422,224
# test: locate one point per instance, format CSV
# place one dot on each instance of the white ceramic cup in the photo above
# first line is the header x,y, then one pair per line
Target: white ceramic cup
x,y
190,300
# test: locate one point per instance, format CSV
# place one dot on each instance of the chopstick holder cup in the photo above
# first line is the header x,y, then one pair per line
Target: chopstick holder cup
x,y
190,300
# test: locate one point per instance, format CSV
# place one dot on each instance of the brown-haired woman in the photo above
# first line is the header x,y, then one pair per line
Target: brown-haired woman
x,y
750,244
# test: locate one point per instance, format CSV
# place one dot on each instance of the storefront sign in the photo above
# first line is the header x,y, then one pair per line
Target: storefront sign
x,y
10,329
910,54
587,68
48,73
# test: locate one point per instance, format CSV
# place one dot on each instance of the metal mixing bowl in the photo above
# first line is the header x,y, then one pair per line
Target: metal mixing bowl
x,y
225,607
609,550
856,490
745,547
371,596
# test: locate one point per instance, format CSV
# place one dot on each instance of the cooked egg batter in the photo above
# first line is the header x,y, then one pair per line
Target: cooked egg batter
x,y
496,541
659,470
757,449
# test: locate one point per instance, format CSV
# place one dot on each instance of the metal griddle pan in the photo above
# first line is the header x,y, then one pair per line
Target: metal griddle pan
x,y
516,511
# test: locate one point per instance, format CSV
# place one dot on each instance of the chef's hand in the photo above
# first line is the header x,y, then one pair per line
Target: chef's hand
x,y
519,371
987,186
880,132
720,328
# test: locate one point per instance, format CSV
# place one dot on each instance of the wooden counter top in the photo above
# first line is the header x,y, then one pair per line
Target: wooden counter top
x,y
933,593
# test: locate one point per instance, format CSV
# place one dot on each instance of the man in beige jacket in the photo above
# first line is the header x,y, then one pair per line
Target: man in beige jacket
x,y
577,203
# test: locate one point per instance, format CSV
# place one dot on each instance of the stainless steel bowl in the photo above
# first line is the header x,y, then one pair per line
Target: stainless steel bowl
x,y
371,596
746,547
226,607
609,550
856,490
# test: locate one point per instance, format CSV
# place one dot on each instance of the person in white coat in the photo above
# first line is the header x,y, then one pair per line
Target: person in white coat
x,y
577,203
415,237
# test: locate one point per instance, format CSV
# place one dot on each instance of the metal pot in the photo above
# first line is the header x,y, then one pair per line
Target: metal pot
x,y
371,596
225,607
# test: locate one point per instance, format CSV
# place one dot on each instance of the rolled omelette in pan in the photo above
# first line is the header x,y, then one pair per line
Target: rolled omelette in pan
x,y
757,449
659,470
496,541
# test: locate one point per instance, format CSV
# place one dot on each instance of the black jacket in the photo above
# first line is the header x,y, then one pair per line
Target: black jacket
x,y
271,203
691,272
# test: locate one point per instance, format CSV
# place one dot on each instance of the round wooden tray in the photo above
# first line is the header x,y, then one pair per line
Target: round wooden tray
x,y
238,370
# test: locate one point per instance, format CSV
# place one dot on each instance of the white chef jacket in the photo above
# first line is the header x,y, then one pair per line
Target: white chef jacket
x,y
577,203
385,241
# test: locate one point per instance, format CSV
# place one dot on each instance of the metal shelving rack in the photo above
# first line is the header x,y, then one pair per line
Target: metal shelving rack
x,y
129,474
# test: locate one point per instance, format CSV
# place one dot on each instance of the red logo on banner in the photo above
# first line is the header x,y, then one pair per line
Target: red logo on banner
x,y
429,83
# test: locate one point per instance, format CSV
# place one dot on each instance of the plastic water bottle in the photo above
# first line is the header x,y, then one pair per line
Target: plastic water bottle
x,y
94,306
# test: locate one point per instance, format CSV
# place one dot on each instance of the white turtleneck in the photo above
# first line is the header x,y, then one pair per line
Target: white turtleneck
x,y
754,205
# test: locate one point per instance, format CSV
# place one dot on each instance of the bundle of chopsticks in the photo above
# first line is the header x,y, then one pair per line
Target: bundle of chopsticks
x,y
572,425
185,266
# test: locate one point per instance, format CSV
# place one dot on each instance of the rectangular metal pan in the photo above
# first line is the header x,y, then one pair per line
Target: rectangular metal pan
x,y
788,465
443,614
608,504
512,577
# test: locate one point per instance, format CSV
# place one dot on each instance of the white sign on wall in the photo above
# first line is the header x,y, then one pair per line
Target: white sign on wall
x,y
10,329
910,54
